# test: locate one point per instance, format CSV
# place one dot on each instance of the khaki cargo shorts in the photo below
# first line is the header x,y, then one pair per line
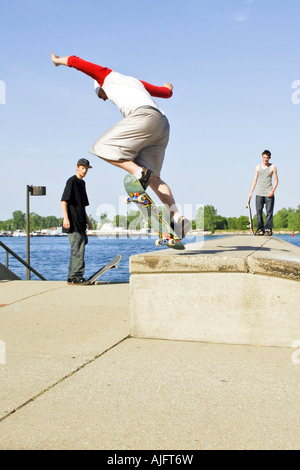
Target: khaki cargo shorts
x,y
141,137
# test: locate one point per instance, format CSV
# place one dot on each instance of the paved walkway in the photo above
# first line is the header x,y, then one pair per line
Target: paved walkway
x,y
74,379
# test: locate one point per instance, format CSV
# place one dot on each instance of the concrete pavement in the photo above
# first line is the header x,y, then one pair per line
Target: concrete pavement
x,y
72,377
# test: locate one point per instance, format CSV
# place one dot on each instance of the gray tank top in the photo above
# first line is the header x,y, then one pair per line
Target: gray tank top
x,y
264,182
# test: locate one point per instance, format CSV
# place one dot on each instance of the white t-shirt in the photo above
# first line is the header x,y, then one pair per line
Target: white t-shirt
x,y
127,93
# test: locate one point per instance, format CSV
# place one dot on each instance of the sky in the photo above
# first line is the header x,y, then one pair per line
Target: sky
x,y
235,68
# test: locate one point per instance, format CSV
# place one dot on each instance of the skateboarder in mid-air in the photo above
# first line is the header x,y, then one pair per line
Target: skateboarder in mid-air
x,y
264,193
137,143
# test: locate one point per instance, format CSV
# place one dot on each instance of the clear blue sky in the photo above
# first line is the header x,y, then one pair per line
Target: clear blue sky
x,y
231,62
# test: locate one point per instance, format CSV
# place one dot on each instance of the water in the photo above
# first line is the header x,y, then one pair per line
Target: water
x,y
50,255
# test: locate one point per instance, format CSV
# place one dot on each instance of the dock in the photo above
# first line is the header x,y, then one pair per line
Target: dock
x,y
201,350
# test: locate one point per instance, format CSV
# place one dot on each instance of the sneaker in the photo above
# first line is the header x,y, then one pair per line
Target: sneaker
x,y
181,227
268,232
260,232
146,177
76,281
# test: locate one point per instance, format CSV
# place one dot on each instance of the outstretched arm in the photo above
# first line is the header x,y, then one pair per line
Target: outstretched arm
x,y
164,91
59,60
92,70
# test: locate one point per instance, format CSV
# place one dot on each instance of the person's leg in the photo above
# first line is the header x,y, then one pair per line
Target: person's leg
x,y
70,272
259,210
269,210
180,224
163,191
139,142
77,263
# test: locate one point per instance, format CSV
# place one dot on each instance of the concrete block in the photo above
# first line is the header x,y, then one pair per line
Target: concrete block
x,y
227,292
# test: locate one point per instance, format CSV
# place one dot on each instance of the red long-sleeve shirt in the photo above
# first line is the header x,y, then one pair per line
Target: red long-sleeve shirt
x,y
127,93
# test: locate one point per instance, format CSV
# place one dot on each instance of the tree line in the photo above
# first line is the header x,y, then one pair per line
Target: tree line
x,y
284,219
206,218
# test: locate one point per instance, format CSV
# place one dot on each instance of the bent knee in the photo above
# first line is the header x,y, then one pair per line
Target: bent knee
x,y
156,181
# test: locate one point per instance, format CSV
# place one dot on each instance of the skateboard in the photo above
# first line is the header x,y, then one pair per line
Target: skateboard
x,y
250,225
151,213
93,279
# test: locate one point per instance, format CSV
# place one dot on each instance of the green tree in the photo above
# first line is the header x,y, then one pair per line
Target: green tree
x,y
94,222
51,221
198,223
133,220
280,219
210,222
7,225
242,222
221,222
120,221
36,222
294,219
19,220
231,223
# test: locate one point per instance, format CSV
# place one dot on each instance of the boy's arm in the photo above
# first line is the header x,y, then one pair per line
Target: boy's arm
x,y
275,181
100,73
66,221
253,183
164,91
89,223
92,70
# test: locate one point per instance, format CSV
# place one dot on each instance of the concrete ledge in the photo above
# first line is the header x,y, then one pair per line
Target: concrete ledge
x,y
238,290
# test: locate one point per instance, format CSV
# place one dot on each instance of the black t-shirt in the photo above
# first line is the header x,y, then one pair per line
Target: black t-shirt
x,y
76,198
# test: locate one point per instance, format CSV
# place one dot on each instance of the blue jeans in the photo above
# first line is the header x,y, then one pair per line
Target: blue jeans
x,y
77,264
260,202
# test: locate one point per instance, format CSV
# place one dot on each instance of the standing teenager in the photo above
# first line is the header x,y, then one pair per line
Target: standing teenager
x,y
75,220
264,172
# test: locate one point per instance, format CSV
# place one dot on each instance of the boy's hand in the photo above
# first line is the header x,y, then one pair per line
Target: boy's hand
x,y
168,85
66,223
54,59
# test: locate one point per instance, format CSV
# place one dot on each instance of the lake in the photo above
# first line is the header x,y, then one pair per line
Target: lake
x,y
50,255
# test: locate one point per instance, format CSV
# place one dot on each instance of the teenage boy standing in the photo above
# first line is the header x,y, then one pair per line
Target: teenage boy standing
x,y
264,193
75,219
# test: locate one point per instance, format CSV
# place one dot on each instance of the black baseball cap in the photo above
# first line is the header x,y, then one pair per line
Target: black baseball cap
x,y
84,162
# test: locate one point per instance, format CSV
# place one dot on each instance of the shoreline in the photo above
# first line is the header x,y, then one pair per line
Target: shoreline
x,y
130,233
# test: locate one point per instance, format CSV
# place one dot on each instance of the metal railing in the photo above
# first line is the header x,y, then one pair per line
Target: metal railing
x,y
10,252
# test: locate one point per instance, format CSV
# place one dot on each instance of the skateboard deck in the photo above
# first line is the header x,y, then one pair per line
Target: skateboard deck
x,y
250,225
151,213
112,264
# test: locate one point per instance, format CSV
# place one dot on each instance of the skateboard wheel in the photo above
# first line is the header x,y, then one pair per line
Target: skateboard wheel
x,y
127,200
158,242
141,199
171,242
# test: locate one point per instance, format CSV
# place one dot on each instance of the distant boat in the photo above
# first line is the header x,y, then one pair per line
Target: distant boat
x,y
19,233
